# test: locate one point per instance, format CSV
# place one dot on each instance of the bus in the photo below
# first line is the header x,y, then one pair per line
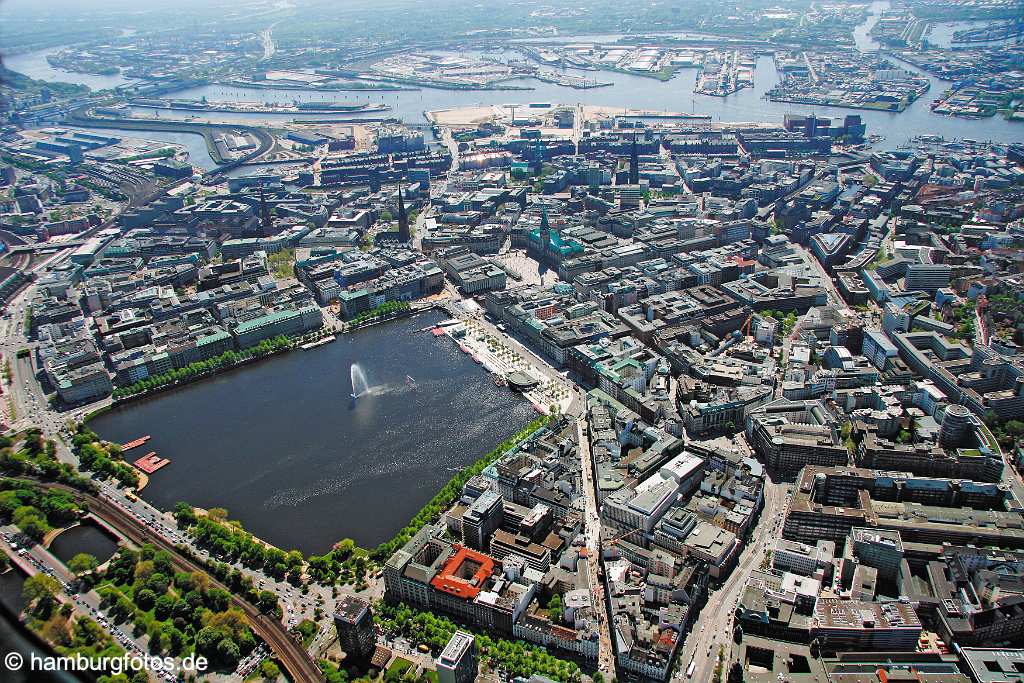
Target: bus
x,y
689,669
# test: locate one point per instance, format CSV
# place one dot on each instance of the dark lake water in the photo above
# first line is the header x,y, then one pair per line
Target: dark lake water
x,y
284,448
84,538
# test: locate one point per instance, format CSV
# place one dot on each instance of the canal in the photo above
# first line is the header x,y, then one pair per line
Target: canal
x,y
285,449
193,143
627,91
639,92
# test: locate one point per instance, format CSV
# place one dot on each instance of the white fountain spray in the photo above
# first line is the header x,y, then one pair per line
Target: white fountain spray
x,y
359,384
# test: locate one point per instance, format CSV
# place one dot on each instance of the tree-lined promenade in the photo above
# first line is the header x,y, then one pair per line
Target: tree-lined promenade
x,y
194,371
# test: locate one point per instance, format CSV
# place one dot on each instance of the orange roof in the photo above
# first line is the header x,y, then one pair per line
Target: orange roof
x,y
449,581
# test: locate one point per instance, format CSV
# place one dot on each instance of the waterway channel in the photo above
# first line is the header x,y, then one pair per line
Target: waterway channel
x,y
193,143
627,91
285,449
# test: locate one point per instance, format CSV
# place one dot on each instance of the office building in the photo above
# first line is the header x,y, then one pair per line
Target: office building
x,y
356,633
457,662
481,519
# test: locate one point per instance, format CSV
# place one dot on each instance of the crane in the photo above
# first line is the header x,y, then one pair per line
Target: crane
x,y
745,327
618,538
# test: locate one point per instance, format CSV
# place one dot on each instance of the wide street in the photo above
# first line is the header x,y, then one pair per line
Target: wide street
x,y
714,628
592,524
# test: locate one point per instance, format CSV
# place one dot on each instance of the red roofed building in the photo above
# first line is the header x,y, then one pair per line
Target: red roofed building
x,y
745,265
464,574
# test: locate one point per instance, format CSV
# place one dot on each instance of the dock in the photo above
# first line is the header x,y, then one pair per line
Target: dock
x,y
150,463
136,443
318,343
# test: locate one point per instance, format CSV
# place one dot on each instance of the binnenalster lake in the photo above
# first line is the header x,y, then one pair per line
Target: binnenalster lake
x,y
285,449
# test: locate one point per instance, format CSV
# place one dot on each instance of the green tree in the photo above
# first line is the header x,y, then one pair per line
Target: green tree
x,y
228,651
145,599
555,608
82,563
267,602
39,590
31,522
269,670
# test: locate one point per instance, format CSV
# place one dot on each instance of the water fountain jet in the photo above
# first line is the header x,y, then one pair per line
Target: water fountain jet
x,y
359,384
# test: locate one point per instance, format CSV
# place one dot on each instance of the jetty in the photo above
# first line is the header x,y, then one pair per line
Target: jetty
x,y
150,462
136,443
320,342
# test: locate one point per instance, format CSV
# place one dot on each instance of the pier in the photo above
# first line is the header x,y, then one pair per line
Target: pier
x,y
150,462
136,443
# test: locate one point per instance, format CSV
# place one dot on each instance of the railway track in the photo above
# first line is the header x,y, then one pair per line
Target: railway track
x,y
288,651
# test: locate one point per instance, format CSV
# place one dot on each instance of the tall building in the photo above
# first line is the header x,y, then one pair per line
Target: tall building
x,y
356,634
545,232
265,220
404,235
927,276
457,662
634,164
956,424
481,519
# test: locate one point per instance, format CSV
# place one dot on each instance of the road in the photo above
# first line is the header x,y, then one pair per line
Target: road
x,y
592,525
289,652
453,148
831,291
714,628
87,604
981,329
24,393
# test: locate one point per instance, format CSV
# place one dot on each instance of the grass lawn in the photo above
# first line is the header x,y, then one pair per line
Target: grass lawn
x,y
399,667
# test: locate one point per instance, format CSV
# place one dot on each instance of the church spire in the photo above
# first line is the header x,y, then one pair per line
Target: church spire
x,y
404,234
545,231
634,163
265,220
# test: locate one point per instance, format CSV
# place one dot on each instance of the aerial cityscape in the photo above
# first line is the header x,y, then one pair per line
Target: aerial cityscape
x,y
440,342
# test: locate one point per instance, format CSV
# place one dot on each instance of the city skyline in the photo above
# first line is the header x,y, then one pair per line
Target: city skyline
x,y
543,341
